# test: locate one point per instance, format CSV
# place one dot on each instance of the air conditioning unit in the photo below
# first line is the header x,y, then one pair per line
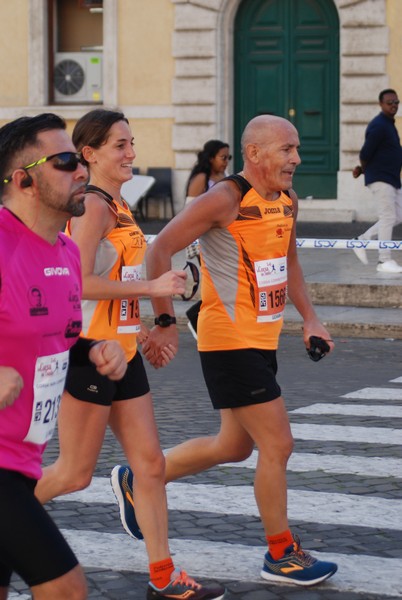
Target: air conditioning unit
x,y
78,77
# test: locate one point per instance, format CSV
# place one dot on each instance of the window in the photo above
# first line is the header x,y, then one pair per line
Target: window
x,y
75,52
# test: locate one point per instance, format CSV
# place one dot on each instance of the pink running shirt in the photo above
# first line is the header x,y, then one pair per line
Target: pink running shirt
x,y
40,319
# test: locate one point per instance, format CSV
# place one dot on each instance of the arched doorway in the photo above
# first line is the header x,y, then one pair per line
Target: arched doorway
x,y
287,63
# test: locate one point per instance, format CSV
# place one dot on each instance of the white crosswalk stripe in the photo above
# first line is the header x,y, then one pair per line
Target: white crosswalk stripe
x,y
356,410
119,552
375,393
374,466
347,433
303,506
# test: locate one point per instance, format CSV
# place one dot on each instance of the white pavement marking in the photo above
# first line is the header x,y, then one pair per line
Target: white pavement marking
x,y
346,433
359,410
375,394
374,466
397,380
360,574
314,507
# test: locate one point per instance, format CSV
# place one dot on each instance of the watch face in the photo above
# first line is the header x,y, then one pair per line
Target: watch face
x,y
165,320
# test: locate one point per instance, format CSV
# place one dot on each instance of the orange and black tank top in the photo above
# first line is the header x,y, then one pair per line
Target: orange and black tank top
x,y
119,257
244,274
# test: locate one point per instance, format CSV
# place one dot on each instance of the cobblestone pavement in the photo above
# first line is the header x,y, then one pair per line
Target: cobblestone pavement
x,y
352,510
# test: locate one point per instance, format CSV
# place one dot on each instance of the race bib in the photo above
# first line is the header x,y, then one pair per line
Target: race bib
x,y
48,387
271,276
129,317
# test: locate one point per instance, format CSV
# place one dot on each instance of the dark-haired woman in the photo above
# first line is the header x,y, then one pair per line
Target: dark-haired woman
x,y
112,250
211,165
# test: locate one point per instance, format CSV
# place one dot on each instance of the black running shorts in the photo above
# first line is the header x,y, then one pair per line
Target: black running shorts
x,y
240,377
30,543
85,383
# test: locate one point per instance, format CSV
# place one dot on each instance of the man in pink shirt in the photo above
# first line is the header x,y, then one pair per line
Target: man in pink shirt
x,y
42,184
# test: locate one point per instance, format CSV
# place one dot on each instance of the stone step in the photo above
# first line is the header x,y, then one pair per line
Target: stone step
x,y
359,295
311,211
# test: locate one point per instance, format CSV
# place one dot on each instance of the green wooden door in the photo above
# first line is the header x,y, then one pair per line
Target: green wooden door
x,y
287,64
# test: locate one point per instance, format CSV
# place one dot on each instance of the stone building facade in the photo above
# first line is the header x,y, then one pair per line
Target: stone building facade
x,y
169,65
203,86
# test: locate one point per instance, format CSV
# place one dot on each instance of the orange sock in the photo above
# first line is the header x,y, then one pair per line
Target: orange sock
x,y
160,572
278,543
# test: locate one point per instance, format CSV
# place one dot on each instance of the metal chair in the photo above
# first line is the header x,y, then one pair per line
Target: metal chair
x,y
161,190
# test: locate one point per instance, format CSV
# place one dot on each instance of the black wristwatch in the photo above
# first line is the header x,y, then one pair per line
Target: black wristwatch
x,y
165,320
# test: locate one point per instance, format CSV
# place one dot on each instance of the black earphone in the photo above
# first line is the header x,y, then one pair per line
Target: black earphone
x,y
27,181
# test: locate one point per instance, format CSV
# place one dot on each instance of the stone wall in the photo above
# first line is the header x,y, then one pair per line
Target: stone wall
x,y
202,92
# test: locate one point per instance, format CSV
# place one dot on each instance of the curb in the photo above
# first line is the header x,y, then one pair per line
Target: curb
x,y
355,294
357,330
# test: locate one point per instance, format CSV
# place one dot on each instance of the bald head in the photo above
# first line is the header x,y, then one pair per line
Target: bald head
x,y
263,129
270,147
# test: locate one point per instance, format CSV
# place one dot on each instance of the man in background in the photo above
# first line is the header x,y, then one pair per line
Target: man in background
x,y
381,163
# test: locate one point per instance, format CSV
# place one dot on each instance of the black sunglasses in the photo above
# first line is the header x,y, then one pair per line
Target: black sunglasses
x,y
195,274
66,161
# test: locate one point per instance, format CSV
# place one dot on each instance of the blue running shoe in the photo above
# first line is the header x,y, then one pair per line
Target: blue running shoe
x,y
297,566
183,587
122,485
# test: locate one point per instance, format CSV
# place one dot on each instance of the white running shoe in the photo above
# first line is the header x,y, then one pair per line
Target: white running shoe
x,y
389,266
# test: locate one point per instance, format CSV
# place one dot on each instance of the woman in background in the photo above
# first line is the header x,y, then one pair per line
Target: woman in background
x,y
211,165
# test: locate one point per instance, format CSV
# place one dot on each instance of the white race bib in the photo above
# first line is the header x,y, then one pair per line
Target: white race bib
x,y
48,387
129,317
271,276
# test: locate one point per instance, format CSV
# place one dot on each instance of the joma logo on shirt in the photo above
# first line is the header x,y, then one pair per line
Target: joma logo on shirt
x,y
274,210
59,271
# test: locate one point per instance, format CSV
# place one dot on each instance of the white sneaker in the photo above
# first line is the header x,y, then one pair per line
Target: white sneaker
x,y
389,266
